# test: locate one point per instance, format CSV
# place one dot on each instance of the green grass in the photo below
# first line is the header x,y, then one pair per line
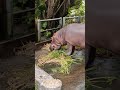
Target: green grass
x,y
97,82
64,62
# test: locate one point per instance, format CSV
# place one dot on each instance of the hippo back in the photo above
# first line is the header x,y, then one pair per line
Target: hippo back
x,y
75,34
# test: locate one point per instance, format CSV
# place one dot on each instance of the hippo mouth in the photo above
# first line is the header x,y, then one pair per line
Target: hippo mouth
x,y
53,48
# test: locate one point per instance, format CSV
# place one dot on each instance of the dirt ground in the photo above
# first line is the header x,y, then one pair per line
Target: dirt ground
x,y
71,81
75,78
17,69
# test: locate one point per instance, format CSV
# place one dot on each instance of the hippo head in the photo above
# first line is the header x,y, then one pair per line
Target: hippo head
x,y
55,43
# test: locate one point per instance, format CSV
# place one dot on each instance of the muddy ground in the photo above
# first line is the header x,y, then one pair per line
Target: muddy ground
x,y
71,81
74,79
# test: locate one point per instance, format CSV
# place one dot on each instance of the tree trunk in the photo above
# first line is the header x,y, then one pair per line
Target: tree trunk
x,y
56,8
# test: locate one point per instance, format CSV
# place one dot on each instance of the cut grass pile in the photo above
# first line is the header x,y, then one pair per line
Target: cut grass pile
x,y
58,57
58,62
98,82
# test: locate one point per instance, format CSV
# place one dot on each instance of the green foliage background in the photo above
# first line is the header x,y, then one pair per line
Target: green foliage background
x,y
39,8
78,9
19,5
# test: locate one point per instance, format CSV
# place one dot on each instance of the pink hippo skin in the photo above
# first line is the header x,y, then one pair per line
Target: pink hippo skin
x,y
72,35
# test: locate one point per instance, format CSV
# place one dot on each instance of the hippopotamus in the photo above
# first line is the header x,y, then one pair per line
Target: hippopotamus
x,y
71,35
102,28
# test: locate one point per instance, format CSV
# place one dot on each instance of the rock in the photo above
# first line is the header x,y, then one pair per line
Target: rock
x,y
81,86
51,84
46,82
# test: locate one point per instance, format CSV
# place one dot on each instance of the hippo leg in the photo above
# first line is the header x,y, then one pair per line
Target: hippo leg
x,y
90,55
70,49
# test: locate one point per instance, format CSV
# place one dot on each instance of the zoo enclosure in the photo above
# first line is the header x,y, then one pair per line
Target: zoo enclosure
x,y
14,14
62,22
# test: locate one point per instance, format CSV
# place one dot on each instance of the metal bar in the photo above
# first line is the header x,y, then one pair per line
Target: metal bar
x,y
82,18
9,18
22,11
50,29
78,19
13,39
49,19
38,28
60,22
42,42
64,18
72,17
75,17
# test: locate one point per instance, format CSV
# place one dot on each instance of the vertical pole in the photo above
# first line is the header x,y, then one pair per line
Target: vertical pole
x,y
60,22
78,19
9,17
38,29
64,21
84,18
2,20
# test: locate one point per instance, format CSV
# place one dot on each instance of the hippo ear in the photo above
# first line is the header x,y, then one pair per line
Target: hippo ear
x,y
54,34
51,38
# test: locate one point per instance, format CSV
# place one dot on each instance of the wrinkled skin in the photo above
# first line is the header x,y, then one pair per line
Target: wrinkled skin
x,y
102,28
71,35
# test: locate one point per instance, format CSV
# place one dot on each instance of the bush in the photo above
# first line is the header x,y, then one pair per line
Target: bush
x,y
78,9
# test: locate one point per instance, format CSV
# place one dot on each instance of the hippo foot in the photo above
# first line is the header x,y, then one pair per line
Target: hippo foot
x,y
70,49
69,53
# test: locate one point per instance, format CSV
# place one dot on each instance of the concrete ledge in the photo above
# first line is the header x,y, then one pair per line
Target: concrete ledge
x,y
81,86
46,82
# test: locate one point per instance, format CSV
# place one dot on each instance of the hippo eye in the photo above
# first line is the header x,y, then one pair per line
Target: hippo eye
x,y
53,46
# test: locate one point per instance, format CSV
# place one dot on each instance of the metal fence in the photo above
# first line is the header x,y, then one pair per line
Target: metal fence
x,y
9,20
39,31
62,22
